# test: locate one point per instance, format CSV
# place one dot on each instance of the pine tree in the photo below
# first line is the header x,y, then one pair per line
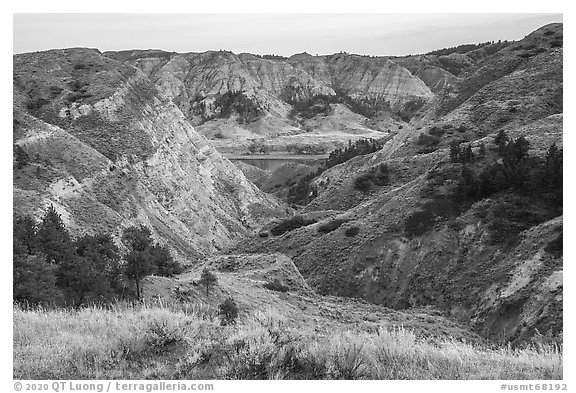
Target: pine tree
x,y
482,150
454,151
165,264
208,279
146,257
466,154
93,272
34,280
501,140
53,238
139,263
24,234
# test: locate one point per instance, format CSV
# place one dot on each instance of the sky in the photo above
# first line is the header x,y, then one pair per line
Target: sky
x,y
279,33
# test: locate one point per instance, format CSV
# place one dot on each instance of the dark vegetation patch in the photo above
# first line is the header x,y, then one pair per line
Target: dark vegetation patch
x,y
21,158
410,108
112,138
526,190
465,48
428,143
437,131
332,225
291,224
303,192
53,269
431,212
352,231
376,176
225,105
556,43
36,104
555,246
274,57
78,91
307,107
511,214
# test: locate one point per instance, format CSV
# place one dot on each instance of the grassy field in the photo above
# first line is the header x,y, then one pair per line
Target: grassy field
x,y
175,341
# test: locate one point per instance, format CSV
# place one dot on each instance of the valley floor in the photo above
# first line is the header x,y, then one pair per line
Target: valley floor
x,y
186,341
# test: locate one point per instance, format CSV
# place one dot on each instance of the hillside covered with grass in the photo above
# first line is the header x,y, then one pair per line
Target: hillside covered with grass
x,y
170,341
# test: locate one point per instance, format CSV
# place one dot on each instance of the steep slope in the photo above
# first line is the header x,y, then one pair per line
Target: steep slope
x,y
411,244
494,262
256,95
531,68
109,150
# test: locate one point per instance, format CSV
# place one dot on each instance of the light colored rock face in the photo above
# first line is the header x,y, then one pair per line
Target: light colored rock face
x,y
185,76
195,200
193,81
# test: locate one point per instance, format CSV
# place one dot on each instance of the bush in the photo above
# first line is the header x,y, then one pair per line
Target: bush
x,y
352,231
162,333
378,176
21,157
556,43
554,247
276,285
290,224
427,140
363,182
332,225
228,311
436,131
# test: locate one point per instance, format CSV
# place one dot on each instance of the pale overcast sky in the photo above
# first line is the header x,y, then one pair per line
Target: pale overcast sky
x,y
283,34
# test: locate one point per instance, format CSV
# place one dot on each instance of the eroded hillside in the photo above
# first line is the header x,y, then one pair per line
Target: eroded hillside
x,y
109,150
444,231
453,204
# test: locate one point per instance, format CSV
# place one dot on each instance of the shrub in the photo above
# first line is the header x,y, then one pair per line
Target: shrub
x,y
378,176
161,333
347,359
436,131
428,143
363,182
352,231
276,285
556,43
290,224
554,247
228,311
21,157
36,104
332,225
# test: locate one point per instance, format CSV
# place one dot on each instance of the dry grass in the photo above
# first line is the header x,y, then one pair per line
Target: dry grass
x,y
172,342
